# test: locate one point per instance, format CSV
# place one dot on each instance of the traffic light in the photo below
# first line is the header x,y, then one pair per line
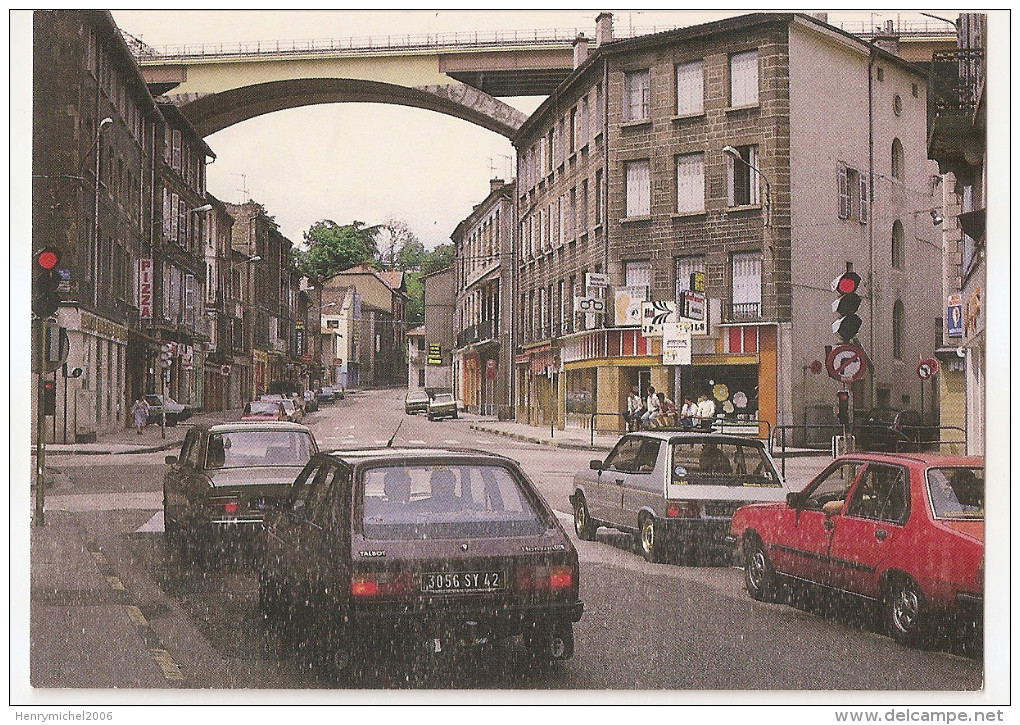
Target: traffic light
x,y
845,306
48,401
45,283
843,411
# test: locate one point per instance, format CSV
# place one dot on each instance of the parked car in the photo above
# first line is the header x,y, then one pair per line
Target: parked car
x,y
904,532
175,412
325,394
442,405
389,548
227,475
676,491
264,410
886,429
311,401
295,413
416,401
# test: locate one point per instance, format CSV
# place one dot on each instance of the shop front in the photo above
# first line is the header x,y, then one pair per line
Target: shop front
x,y
537,386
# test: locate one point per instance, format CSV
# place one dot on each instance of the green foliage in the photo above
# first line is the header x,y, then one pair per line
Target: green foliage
x,y
439,258
332,248
416,299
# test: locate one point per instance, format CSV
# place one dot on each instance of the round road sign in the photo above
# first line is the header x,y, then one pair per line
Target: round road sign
x,y
926,368
846,363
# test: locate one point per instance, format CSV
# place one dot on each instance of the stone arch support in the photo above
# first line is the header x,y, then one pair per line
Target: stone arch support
x,y
214,112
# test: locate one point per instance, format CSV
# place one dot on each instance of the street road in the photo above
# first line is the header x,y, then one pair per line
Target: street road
x,y
646,626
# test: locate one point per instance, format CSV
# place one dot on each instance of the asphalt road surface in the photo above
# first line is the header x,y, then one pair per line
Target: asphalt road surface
x,y
645,626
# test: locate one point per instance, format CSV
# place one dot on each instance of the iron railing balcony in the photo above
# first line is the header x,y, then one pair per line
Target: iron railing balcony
x,y
744,311
955,81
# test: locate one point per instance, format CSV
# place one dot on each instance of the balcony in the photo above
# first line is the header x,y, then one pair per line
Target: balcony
x,y
956,133
744,312
478,334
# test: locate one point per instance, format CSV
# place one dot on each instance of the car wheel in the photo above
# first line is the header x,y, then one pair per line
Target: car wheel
x,y
649,538
903,607
759,576
555,644
584,525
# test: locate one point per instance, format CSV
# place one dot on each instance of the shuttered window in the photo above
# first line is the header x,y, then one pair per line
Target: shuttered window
x,y
690,88
744,78
638,188
746,278
635,102
690,183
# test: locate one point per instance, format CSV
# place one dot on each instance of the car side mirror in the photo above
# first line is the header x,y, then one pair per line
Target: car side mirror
x,y
595,465
171,460
832,508
794,500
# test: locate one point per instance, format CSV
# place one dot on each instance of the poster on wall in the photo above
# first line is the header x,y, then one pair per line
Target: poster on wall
x,y
676,344
655,314
628,305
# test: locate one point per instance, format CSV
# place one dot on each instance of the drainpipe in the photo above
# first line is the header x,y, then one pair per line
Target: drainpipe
x,y
871,211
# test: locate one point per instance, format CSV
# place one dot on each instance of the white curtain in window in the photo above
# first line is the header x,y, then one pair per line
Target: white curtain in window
x,y
636,274
746,278
744,78
636,101
690,183
690,88
638,188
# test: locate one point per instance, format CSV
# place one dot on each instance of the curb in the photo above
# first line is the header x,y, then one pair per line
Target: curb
x,y
106,452
539,441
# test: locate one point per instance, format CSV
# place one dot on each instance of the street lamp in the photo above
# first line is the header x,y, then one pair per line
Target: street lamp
x,y
767,216
103,125
200,209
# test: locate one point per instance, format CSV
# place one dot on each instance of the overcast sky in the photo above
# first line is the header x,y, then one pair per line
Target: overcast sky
x,y
367,162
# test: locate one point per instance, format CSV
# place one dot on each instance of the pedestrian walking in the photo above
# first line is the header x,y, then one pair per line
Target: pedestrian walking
x,y
140,414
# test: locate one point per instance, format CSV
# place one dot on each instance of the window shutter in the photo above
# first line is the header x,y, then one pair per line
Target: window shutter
x,y
690,88
174,218
637,189
863,217
844,194
690,183
753,182
744,78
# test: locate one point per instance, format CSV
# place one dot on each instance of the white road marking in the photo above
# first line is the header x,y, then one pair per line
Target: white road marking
x,y
452,441
153,525
417,443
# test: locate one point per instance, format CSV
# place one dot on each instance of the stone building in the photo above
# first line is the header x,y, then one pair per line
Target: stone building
x,y
765,153
482,356
440,307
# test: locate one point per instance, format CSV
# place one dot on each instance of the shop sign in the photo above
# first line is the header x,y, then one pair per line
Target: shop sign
x,y
698,282
698,329
596,280
435,356
676,344
589,305
145,288
628,305
655,314
954,316
691,305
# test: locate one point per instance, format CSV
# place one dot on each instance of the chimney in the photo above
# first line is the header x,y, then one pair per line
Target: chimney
x,y
495,184
603,29
580,49
886,38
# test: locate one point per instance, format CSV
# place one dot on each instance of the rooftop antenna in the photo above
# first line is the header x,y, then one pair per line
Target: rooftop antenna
x,y
389,443
244,187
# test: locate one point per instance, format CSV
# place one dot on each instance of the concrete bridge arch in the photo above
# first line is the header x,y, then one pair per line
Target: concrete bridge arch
x,y
215,111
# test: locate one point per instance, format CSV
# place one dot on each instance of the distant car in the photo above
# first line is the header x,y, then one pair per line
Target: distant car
x,y
442,405
676,491
887,429
311,401
295,413
175,412
417,548
416,401
325,394
264,410
904,532
226,477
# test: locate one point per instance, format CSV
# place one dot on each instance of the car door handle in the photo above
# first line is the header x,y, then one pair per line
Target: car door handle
x,y
881,534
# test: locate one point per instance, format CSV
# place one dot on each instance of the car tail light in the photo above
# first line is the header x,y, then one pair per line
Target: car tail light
x,y
226,504
544,578
682,510
367,585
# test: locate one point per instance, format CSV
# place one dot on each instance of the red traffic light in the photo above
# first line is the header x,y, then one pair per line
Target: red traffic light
x,y
47,259
848,283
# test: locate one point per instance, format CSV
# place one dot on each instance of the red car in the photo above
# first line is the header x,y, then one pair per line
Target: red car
x,y
264,410
905,531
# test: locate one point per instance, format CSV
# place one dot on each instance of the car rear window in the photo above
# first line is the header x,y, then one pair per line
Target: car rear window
x,y
269,407
235,449
957,492
721,463
446,501
443,398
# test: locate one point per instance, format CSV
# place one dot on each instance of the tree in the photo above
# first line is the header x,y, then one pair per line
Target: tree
x,y
402,250
332,248
439,258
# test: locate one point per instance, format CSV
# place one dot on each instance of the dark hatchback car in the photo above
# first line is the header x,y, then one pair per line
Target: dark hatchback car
x,y
888,429
227,476
412,550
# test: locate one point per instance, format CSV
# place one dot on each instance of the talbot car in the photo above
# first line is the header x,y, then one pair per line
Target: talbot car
x,y
904,532
442,405
390,549
227,476
676,491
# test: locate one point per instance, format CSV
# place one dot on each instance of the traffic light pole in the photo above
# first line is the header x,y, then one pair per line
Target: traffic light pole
x,y
40,424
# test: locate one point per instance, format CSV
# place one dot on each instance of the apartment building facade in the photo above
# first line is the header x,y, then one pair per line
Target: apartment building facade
x,y
700,151
482,352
